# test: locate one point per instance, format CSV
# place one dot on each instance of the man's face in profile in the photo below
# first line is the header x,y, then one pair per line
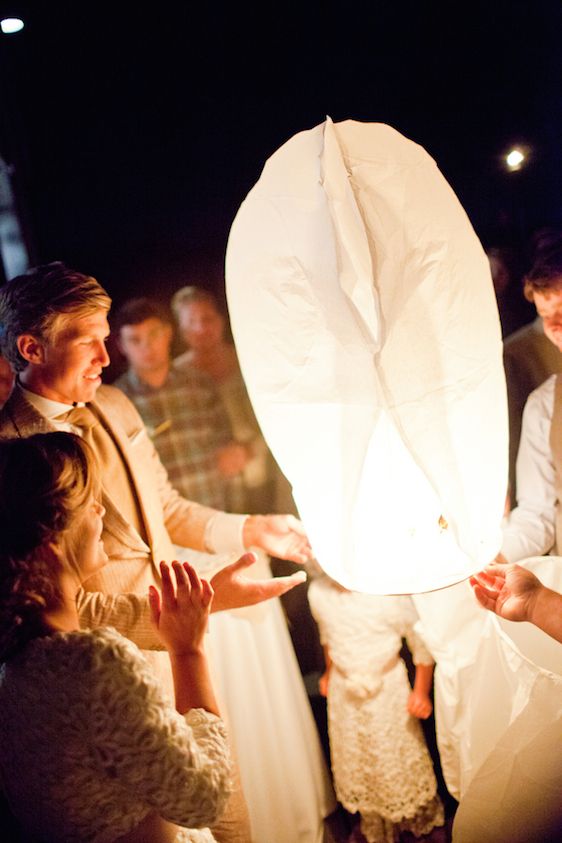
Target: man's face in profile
x,y
71,364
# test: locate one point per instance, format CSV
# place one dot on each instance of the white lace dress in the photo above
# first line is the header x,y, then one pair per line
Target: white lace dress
x,y
89,745
380,762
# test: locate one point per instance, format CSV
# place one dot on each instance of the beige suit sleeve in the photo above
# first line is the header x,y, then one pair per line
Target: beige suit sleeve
x,y
129,614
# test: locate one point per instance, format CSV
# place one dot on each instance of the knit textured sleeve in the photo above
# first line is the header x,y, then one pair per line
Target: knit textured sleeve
x,y
179,765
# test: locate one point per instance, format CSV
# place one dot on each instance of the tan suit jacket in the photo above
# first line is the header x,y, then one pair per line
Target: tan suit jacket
x,y
117,595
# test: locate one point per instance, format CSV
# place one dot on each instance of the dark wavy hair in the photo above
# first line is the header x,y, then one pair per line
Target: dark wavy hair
x,y
46,483
545,276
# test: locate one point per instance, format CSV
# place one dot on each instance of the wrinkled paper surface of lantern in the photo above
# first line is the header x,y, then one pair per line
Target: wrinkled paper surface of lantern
x,y
498,711
367,330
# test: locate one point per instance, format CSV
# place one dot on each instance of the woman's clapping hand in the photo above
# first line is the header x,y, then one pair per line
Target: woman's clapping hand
x,y
180,612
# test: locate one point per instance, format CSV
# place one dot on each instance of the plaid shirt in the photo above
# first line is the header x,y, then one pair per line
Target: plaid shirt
x,y
187,422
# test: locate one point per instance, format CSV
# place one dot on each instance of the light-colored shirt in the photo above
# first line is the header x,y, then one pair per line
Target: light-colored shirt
x,y
51,409
530,528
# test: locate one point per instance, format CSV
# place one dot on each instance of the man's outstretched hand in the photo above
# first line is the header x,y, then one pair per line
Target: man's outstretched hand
x,y
282,536
233,590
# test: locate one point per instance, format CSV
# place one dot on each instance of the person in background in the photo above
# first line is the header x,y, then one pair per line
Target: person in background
x,y
535,526
380,763
90,747
202,327
529,358
181,408
283,774
514,311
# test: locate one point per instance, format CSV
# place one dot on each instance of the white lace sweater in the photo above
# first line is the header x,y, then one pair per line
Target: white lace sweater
x,y
89,744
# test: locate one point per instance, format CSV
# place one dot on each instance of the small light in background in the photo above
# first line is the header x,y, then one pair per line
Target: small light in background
x,y
11,25
515,158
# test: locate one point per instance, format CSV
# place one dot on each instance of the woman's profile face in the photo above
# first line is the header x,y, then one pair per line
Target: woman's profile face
x,y
201,325
90,553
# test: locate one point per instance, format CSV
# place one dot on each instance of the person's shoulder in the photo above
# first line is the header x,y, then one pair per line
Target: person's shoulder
x,y
182,361
17,416
111,667
541,399
100,650
113,397
191,376
526,334
123,383
78,651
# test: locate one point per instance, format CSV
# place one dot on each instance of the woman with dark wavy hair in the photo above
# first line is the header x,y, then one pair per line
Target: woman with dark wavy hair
x,y
90,749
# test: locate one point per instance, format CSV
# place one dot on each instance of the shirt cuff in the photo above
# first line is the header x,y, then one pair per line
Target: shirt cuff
x,y
223,533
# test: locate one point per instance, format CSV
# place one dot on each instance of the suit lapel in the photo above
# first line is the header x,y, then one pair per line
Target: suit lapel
x,y
123,444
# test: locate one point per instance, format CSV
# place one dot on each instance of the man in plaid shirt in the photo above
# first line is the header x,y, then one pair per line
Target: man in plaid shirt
x,y
182,410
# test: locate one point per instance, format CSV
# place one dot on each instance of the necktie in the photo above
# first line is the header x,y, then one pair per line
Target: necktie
x,y
114,473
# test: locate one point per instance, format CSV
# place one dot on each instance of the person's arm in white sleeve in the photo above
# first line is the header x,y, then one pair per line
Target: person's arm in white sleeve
x,y
530,529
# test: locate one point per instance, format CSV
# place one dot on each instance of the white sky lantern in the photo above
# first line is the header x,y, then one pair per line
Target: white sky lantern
x,y
367,330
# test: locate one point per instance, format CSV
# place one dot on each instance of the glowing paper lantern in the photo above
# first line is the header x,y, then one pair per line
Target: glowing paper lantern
x,y
498,693
367,330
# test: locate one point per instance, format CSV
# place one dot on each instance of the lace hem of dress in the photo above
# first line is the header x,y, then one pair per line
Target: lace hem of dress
x,y
377,829
194,835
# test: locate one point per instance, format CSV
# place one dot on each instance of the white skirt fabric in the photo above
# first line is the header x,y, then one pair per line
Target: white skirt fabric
x,y
498,709
261,694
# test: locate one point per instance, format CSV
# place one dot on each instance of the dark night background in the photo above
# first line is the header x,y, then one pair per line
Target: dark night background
x,y
136,132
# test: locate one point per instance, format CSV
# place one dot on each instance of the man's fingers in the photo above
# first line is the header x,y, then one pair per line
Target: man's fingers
x,y
244,562
489,579
280,585
296,525
485,597
301,556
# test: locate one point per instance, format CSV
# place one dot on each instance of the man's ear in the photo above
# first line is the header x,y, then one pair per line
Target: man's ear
x,y
31,349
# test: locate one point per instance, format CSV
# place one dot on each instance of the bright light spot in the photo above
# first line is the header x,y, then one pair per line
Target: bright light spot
x,y
11,25
514,159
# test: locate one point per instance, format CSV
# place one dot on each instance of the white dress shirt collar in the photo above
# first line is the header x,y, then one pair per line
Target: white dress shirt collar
x,y
48,408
